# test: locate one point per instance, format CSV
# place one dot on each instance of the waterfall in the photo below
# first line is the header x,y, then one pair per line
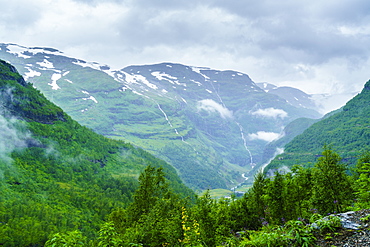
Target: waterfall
x,y
240,128
165,116
170,124
245,143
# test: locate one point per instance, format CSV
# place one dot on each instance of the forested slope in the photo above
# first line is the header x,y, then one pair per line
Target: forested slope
x,y
56,175
347,132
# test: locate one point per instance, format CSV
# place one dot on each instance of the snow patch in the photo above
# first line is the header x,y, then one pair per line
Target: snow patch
x,y
139,79
54,79
17,50
91,98
20,50
31,73
196,82
135,92
163,76
46,64
198,70
209,91
95,66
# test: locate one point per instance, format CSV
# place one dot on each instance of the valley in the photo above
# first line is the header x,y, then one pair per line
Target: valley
x,y
212,126
62,183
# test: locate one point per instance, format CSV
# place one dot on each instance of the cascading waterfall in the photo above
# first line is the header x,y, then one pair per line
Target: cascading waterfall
x,y
240,128
169,123
219,97
165,116
245,143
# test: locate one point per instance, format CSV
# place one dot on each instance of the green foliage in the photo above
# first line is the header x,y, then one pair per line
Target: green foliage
x,y
108,237
325,224
64,182
154,217
61,176
68,239
362,184
332,189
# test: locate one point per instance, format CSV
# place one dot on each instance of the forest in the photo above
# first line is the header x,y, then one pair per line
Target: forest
x,y
277,211
61,184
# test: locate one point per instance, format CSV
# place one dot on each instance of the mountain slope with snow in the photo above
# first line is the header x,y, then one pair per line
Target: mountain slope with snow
x,y
211,125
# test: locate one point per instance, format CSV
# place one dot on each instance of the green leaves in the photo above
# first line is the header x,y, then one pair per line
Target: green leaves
x,y
69,239
332,190
362,184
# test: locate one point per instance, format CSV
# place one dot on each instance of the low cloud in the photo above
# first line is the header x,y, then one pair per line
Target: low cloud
x,y
11,137
264,136
210,105
271,113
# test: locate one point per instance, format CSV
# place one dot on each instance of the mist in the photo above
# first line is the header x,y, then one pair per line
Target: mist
x,y
11,137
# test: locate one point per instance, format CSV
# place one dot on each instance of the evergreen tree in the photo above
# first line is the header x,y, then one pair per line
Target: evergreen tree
x,y
276,199
332,189
257,197
205,215
298,192
362,184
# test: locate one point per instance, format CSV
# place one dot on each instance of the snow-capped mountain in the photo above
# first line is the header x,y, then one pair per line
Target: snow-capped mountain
x,y
211,125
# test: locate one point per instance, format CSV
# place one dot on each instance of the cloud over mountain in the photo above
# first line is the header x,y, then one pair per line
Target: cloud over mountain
x,y
270,112
317,46
264,136
212,106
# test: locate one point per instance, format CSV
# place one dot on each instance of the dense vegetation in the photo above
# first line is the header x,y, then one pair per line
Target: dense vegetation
x,y
64,185
56,175
284,210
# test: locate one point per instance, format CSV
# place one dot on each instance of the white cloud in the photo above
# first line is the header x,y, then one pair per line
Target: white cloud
x,y
212,106
317,46
270,112
264,136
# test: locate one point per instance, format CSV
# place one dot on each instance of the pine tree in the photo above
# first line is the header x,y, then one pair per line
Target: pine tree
x,y
332,189
362,184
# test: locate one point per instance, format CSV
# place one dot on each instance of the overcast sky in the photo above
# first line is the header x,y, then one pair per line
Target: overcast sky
x,y
315,45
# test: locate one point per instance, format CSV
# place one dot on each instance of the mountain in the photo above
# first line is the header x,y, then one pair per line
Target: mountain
x,y
346,130
211,125
322,103
56,175
292,95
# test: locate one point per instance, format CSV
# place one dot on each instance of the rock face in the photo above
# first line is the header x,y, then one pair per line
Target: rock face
x,y
351,220
354,232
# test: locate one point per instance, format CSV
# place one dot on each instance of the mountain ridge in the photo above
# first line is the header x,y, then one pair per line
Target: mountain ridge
x,y
220,120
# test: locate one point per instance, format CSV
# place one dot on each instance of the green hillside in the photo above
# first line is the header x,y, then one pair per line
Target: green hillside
x,y
347,131
56,175
221,121
64,185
